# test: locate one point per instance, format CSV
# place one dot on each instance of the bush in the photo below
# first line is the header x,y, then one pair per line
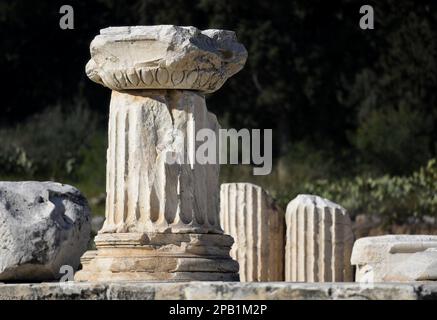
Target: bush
x,y
48,145
395,199
394,140
13,159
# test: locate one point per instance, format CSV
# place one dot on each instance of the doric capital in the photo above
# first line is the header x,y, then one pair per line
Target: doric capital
x,y
164,57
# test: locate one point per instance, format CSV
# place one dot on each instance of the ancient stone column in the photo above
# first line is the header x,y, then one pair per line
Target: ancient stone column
x,y
319,241
395,258
252,218
162,206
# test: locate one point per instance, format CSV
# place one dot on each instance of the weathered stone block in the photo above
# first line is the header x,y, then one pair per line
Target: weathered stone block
x,y
257,225
43,225
218,291
395,258
164,57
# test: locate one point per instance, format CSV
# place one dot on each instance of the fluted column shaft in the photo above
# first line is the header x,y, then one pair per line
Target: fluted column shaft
x,y
319,241
145,193
249,215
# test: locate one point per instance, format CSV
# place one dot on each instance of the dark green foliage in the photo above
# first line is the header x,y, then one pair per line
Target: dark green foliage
x,y
342,102
394,141
395,199
48,144
312,72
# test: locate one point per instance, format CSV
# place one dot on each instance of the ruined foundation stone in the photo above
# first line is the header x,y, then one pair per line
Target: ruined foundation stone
x,y
319,241
162,207
395,258
219,291
257,225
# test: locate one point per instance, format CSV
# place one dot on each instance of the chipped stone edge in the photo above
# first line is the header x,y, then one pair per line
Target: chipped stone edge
x,y
219,291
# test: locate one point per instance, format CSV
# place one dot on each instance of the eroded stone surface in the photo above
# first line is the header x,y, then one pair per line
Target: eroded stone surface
x,y
319,241
395,258
219,290
145,191
257,225
158,194
164,57
152,257
43,225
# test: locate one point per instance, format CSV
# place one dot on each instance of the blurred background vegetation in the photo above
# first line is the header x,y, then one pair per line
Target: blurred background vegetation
x,y
353,111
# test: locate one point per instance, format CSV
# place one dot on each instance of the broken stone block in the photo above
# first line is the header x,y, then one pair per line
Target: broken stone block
x,y
43,226
164,57
395,258
319,241
251,217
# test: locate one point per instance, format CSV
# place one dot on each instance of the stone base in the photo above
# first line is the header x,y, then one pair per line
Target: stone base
x,y
159,257
218,291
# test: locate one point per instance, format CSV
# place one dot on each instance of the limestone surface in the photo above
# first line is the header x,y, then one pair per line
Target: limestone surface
x,y
145,191
43,225
164,57
162,217
218,291
151,257
162,204
319,241
395,258
251,217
